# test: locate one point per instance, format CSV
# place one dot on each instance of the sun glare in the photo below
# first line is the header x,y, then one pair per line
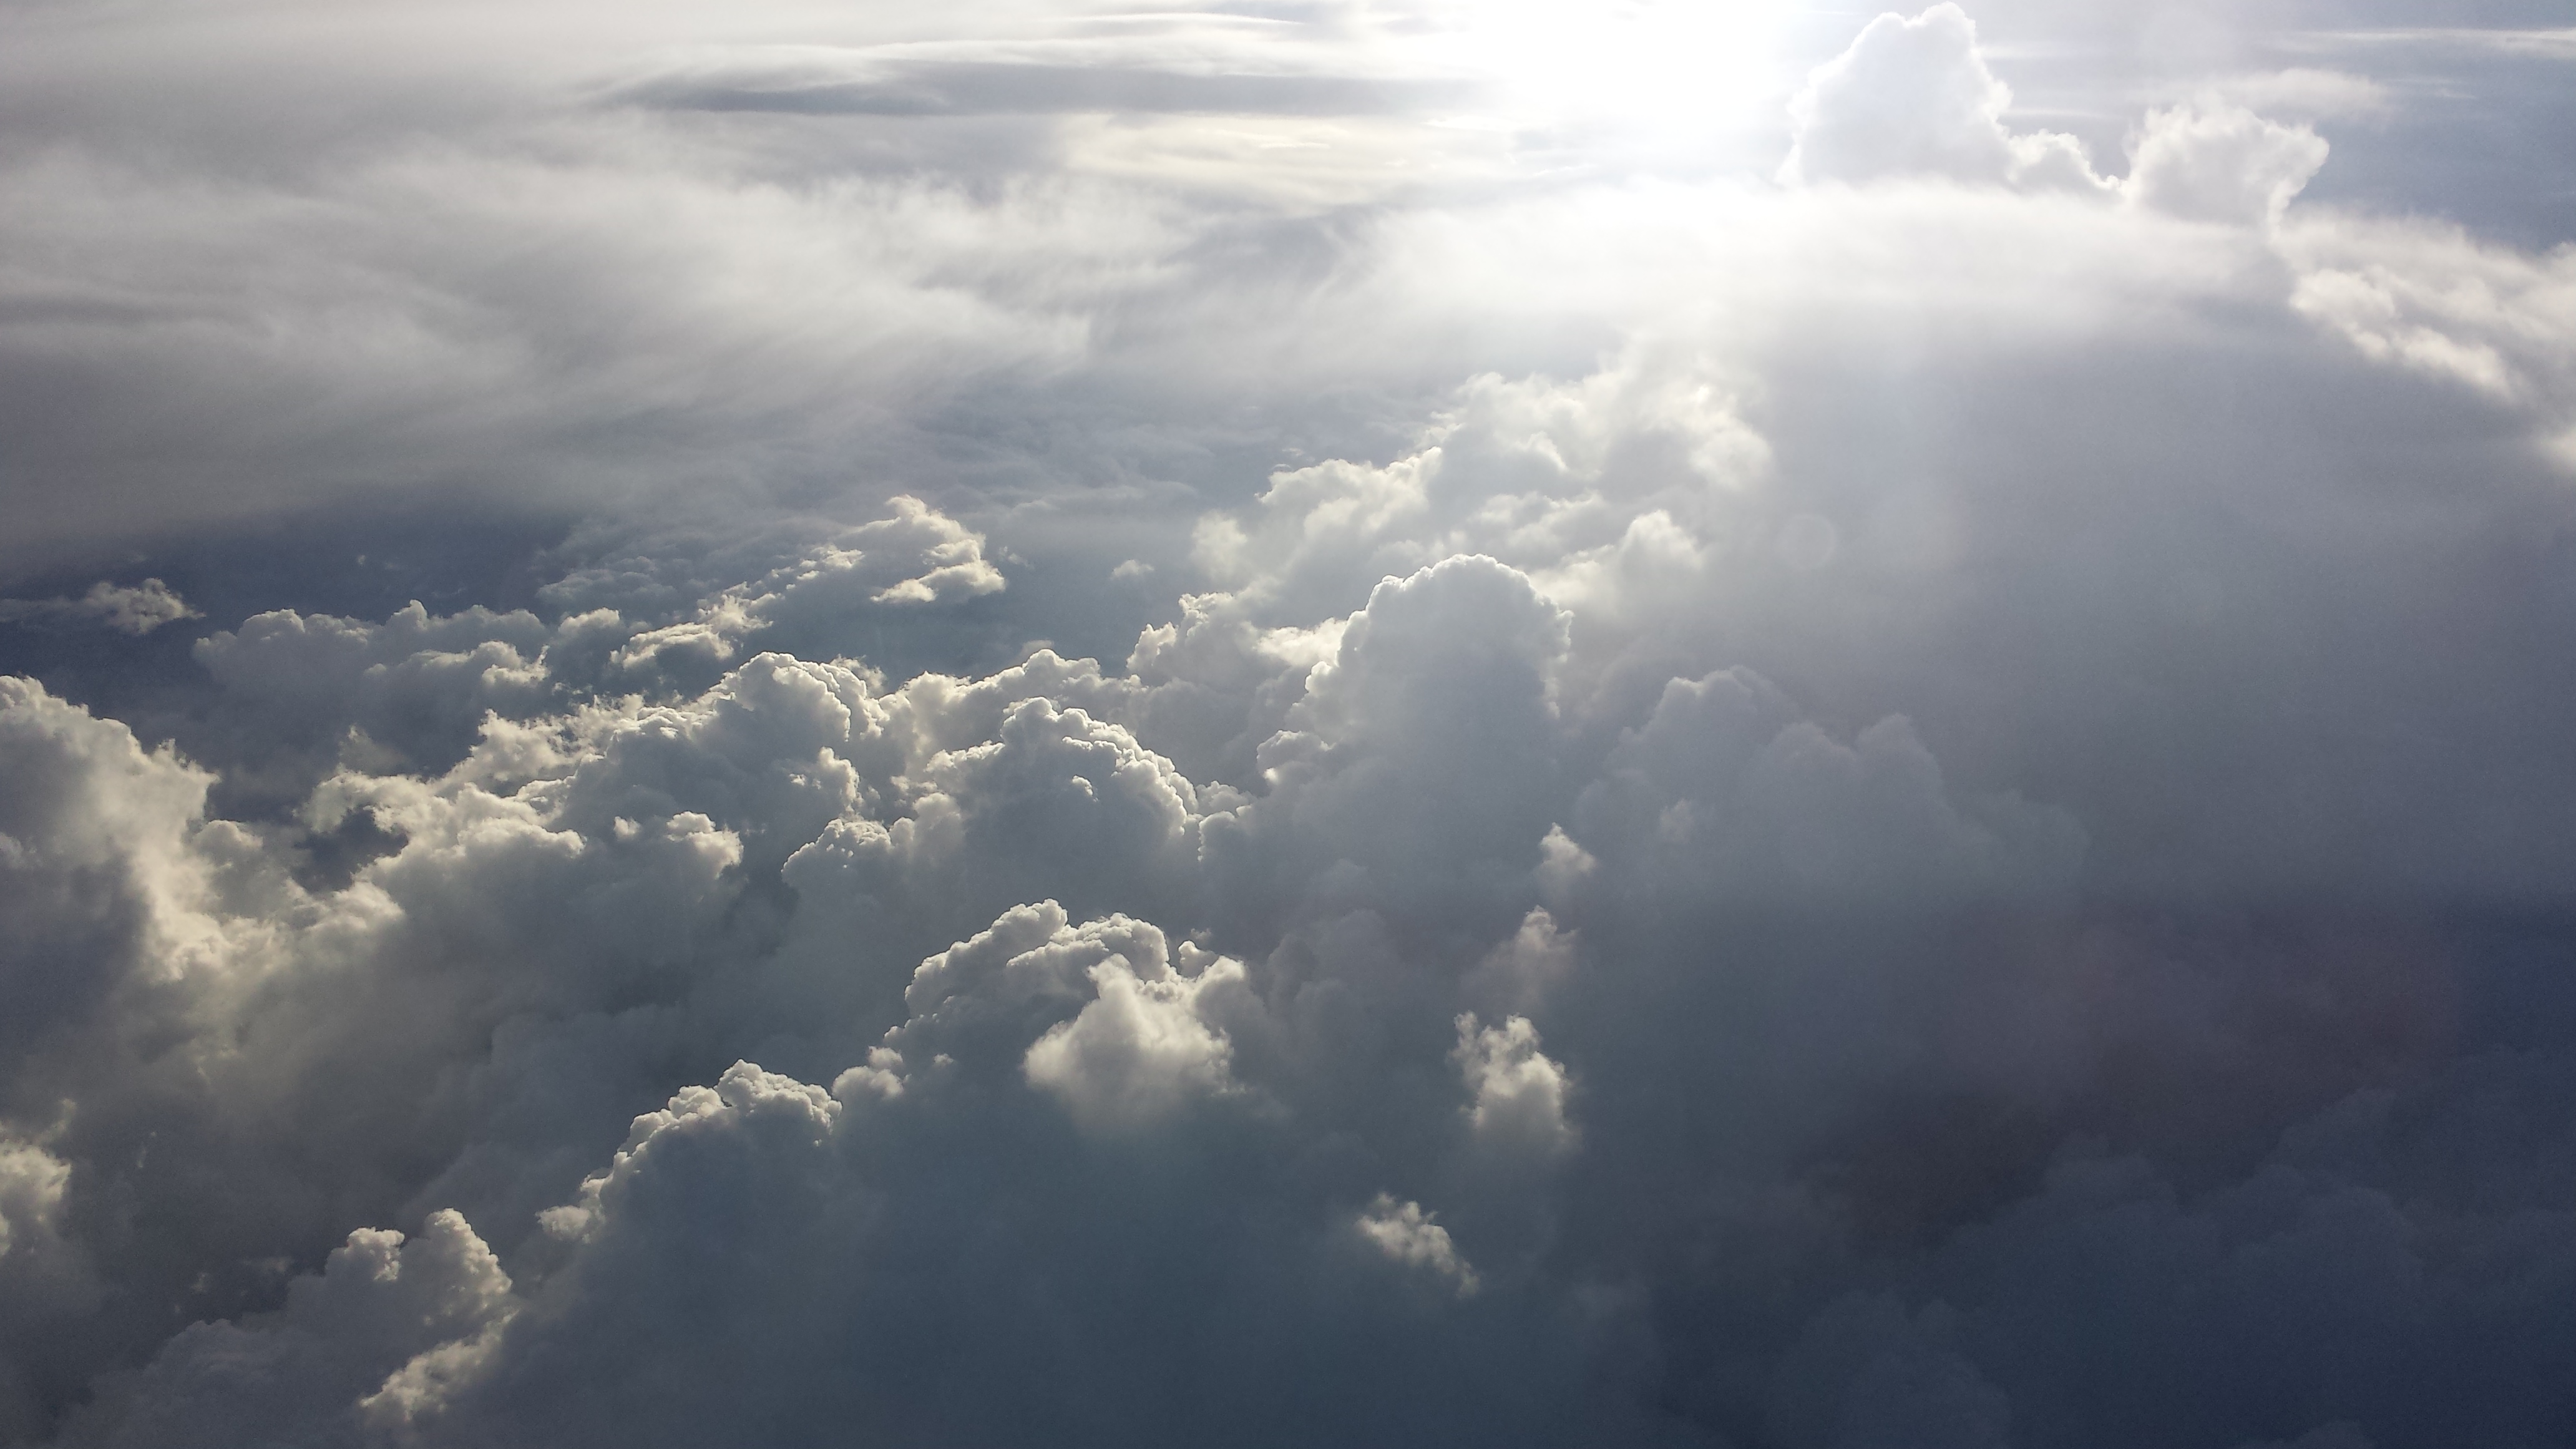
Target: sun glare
x,y
1648,67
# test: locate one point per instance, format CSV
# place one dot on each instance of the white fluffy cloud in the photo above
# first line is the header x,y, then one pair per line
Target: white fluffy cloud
x,y
1914,97
1138,1050
2210,161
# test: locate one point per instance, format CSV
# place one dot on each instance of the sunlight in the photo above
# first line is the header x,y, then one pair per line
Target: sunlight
x,y
1649,66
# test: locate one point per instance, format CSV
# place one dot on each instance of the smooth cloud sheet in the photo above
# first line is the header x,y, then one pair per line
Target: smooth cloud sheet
x,y
1280,728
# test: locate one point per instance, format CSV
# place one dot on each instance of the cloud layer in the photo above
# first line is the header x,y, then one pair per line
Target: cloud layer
x,y
1238,730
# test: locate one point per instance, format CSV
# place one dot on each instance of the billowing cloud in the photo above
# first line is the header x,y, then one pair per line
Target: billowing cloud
x,y
1915,97
2215,162
1235,727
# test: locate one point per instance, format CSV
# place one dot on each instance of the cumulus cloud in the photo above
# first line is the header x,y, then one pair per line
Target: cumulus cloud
x,y
1407,1235
1726,786
1914,97
2210,161
1219,733
566,882
1136,1051
370,1342
45,1272
918,556
1518,1093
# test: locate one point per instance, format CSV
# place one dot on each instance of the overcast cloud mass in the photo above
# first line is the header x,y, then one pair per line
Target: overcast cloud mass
x,y
1338,722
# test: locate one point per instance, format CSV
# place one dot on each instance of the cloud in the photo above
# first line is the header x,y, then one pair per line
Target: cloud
x,y
1161,64
566,880
110,867
1725,787
1407,1235
44,1270
496,372
1914,98
918,556
1518,1093
1178,765
369,1342
138,610
2549,44
1138,1050
2428,299
2210,161
2304,90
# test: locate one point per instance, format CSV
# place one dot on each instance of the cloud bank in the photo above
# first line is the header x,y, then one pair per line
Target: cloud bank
x,y
1232,728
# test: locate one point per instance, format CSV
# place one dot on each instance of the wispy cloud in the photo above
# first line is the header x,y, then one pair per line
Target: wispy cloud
x,y
138,609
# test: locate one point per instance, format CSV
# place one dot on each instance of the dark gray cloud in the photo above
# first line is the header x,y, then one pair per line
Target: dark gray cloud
x,y
1448,725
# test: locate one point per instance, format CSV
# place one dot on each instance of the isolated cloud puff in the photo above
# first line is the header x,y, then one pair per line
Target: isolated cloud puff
x,y
1406,1234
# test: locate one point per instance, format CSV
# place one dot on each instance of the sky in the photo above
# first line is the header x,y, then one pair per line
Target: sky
x,y
1416,722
